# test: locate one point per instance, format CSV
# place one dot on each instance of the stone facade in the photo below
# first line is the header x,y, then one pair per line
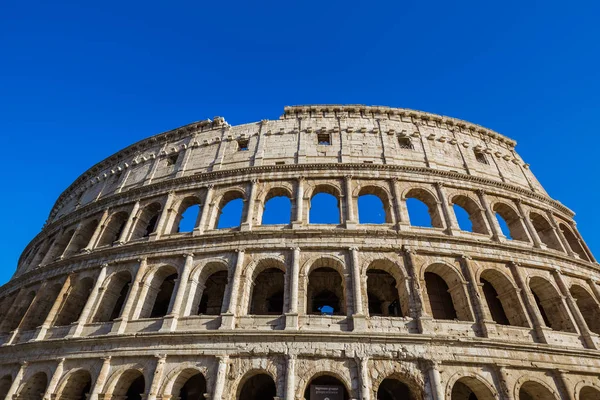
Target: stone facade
x,y
112,301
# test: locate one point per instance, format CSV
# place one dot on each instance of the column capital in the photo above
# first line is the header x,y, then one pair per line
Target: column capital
x,y
240,250
466,257
160,357
408,249
481,192
254,181
104,265
210,186
106,359
439,184
348,177
186,255
142,259
353,248
295,248
24,363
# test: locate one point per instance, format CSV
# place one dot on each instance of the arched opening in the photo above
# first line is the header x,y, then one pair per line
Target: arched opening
x,y
82,238
209,301
113,229
589,393
76,387
588,307
190,385
573,242
34,387
19,308
60,246
469,388
130,386
394,389
74,303
494,304
188,215
146,222
41,252
550,305
510,222
163,296
258,387
324,207
277,209
325,294
502,299
267,292
113,297
382,293
534,391
5,384
231,210
374,206
321,386
423,209
545,231
473,219
440,299
43,304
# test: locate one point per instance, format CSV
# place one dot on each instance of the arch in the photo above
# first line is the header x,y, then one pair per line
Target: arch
x,y
257,385
128,384
75,386
19,308
73,305
394,389
513,222
113,228
471,387
589,393
277,208
34,387
212,279
324,205
421,197
82,238
60,245
326,378
446,294
588,307
267,289
5,384
160,292
573,242
187,215
146,221
43,303
475,214
113,297
231,210
326,292
503,296
544,231
534,390
374,206
385,293
550,305
189,384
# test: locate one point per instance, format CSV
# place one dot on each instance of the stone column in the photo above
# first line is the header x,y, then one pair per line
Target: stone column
x,y
497,234
101,379
62,296
187,154
563,384
85,313
416,308
595,289
206,210
505,388
126,233
46,258
291,318
435,380
228,318
537,242
157,376
17,381
120,323
51,388
164,217
351,219
581,241
221,377
529,302
96,235
247,224
299,203
586,334
400,209
449,217
170,321
365,379
290,377
562,241
358,318
479,308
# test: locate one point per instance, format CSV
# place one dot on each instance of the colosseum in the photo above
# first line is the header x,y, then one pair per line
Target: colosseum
x,y
192,265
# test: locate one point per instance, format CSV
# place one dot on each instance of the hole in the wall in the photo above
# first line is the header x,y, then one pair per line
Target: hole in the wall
x,y
231,214
418,213
277,211
371,210
324,209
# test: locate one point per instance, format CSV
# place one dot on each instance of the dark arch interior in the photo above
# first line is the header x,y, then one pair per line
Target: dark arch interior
x,y
212,296
382,294
325,380
258,387
325,292
440,299
163,298
494,304
136,389
5,384
460,391
393,389
534,391
194,388
267,293
589,393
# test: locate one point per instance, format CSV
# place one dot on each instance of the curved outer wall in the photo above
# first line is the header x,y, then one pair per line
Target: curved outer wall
x,y
112,238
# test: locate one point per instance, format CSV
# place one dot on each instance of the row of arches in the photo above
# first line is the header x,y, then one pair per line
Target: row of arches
x,y
326,204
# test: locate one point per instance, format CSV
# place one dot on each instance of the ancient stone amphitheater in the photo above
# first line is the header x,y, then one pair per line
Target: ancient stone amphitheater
x,y
116,299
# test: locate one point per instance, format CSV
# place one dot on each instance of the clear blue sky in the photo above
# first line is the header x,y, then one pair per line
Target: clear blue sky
x,y
79,81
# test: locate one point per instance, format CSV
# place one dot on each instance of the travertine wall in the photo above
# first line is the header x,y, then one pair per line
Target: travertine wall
x,y
110,295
